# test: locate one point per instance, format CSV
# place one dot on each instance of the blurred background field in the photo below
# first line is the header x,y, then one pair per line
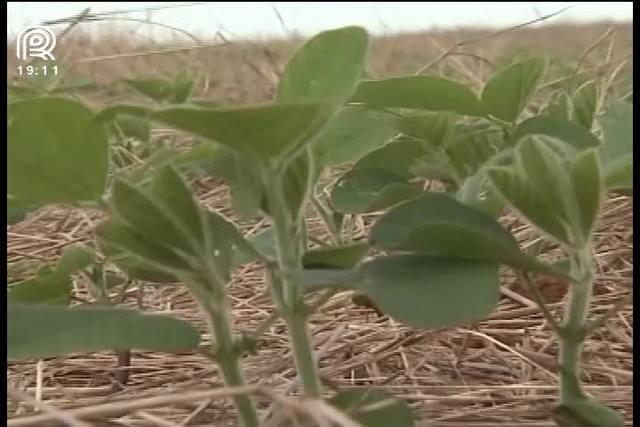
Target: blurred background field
x,y
498,372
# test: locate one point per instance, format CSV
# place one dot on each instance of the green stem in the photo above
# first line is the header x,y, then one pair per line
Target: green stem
x,y
573,328
213,299
288,296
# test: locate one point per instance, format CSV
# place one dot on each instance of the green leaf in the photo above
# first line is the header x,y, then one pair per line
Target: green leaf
x,y
351,134
431,292
540,188
617,145
507,94
346,256
398,157
368,190
560,106
373,408
472,148
263,245
564,130
48,287
476,191
295,182
262,131
328,66
116,239
171,191
588,185
585,101
55,153
35,331
244,176
75,258
437,224
435,129
149,217
439,168
529,202
419,92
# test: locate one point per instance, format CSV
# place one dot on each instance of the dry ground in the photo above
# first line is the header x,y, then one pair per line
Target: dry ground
x,y
499,372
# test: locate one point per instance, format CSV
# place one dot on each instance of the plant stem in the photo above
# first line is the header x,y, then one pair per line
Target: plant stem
x,y
572,333
213,299
288,295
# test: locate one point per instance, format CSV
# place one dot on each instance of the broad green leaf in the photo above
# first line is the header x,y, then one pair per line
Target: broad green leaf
x,y
546,171
397,156
431,292
437,224
419,92
243,174
351,134
527,200
328,66
373,408
48,287
617,145
472,148
367,190
116,239
560,106
568,132
586,412
589,189
149,217
262,131
75,258
507,94
435,129
295,183
476,191
224,240
335,257
439,168
170,190
263,243
35,331
55,153
585,101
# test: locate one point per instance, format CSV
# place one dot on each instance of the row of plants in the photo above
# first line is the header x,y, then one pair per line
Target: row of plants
x,y
438,254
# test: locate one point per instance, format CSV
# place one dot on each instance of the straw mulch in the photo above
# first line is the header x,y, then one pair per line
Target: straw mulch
x,y
499,372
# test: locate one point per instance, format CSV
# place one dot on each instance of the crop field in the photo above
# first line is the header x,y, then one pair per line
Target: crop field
x,y
495,366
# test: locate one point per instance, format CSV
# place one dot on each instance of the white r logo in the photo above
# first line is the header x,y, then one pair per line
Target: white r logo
x,y
35,42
